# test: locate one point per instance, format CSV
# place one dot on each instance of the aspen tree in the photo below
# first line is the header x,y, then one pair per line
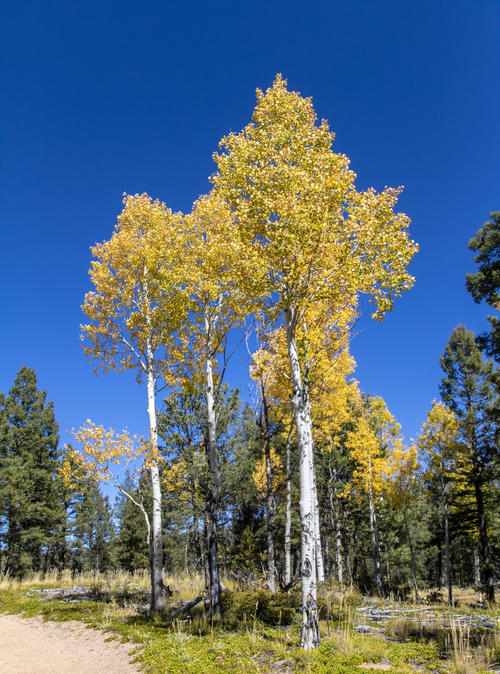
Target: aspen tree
x,y
370,443
402,473
266,470
267,369
134,319
216,305
440,448
311,238
327,365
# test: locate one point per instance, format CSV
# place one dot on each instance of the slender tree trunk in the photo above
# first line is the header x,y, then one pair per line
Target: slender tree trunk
x,y
355,552
214,496
345,543
486,566
412,556
439,568
156,548
444,502
377,571
310,637
327,554
336,530
288,514
270,502
477,574
206,565
320,571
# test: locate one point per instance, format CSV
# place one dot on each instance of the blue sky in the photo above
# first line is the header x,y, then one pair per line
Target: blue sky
x,y
101,98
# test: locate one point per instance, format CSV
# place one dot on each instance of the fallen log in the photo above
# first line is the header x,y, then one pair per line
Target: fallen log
x,y
191,604
184,608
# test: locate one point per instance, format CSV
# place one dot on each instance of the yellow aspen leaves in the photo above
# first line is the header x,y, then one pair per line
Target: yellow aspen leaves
x,y
103,451
439,442
135,299
308,233
371,443
277,473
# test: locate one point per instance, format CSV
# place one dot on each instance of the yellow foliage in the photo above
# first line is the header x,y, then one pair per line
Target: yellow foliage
x,y
307,233
101,450
277,473
439,442
377,449
402,472
135,307
182,478
206,271
328,364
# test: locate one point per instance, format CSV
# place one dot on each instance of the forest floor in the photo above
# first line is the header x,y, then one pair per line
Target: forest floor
x,y
260,632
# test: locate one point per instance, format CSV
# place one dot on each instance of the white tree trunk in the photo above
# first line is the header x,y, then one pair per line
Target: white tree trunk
x,y
336,528
214,496
156,548
377,570
477,573
320,570
288,516
310,637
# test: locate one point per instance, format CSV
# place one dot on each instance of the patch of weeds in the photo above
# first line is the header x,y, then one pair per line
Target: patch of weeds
x,y
260,605
414,653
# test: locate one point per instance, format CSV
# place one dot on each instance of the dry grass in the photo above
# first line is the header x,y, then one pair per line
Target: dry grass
x,y
464,659
184,587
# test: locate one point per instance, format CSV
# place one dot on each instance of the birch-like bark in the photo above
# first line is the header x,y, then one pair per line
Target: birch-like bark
x,y
310,628
156,548
320,570
477,573
214,496
377,571
288,515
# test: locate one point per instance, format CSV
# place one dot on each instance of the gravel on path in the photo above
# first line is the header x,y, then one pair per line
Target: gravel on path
x,y
32,646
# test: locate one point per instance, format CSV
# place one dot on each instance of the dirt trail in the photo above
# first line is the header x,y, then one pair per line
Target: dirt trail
x,y
31,646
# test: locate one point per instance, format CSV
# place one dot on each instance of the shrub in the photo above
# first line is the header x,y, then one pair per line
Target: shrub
x,y
272,609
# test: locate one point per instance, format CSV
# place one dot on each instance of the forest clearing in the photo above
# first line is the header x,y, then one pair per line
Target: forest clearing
x,y
260,632
243,496
309,489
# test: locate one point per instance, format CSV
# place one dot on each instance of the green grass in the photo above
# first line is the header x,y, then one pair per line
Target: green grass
x,y
260,633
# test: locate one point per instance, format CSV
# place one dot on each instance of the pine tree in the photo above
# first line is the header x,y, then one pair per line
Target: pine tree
x,y
29,487
467,388
187,478
485,283
131,548
93,532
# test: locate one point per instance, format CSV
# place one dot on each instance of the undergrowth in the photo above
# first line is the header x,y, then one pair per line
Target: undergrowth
x,y
260,631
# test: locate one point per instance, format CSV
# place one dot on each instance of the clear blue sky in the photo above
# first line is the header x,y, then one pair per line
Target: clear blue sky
x,y
101,98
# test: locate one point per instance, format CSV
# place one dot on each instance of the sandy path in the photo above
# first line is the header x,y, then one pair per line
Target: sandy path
x,y
31,646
